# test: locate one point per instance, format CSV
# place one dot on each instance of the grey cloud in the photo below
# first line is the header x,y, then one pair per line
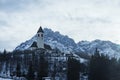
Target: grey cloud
x,y
9,45
90,20
17,5
3,23
83,17
10,5
99,20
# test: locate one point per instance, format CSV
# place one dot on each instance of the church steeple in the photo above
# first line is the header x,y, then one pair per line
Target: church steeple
x,y
40,38
40,30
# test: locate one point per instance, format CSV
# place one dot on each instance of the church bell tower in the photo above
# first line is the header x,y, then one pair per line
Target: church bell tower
x,y
40,38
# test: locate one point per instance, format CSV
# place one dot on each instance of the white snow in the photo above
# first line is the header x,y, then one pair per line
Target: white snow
x,y
67,45
5,79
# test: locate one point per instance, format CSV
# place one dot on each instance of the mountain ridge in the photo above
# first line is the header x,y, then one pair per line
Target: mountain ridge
x,y
65,44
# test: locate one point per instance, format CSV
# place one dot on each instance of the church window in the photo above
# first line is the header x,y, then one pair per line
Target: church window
x,y
41,35
38,35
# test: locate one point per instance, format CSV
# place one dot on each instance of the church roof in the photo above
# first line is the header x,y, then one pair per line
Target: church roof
x,y
40,30
34,44
47,47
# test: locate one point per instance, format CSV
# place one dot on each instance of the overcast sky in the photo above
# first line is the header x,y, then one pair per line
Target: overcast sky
x,y
79,19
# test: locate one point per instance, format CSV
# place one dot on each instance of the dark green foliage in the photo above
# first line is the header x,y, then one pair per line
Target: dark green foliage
x,y
4,56
73,71
101,67
84,68
54,72
18,70
30,74
43,68
114,69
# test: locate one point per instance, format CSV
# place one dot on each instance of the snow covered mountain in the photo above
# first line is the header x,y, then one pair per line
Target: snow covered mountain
x,y
54,39
66,44
105,47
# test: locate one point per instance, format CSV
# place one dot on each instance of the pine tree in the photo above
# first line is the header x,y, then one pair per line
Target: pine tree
x,y
73,71
43,70
99,67
5,55
114,69
30,74
18,70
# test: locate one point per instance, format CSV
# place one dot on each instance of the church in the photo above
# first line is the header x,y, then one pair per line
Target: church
x,y
39,43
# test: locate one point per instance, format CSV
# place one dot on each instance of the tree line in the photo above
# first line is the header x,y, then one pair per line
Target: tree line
x,y
98,67
102,67
28,64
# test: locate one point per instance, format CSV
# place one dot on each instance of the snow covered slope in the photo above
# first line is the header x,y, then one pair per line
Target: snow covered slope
x,y
105,47
54,39
5,79
66,44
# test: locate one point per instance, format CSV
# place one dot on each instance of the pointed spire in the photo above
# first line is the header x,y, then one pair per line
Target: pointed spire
x,y
40,30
